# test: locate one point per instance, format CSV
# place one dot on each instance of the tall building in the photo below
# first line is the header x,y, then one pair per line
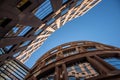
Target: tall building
x,y
26,24
80,60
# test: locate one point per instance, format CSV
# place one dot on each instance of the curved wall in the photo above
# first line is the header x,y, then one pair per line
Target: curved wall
x,y
80,60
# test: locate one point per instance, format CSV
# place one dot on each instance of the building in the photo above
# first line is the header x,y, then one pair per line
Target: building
x,y
12,69
80,60
26,24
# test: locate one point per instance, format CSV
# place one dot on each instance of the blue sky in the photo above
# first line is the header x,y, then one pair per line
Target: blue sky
x,y
100,24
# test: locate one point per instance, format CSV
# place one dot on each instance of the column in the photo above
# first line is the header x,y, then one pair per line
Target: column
x,y
57,75
98,66
65,74
111,68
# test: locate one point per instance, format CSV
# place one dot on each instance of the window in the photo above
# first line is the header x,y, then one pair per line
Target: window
x,y
15,29
4,75
25,43
16,54
12,70
82,69
115,62
4,21
25,31
77,68
72,13
69,52
83,7
67,46
23,56
82,78
79,2
50,21
50,60
72,78
64,1
15,63
38,32
54,51
64,11
93,3
86,69
50,78
23,4
7,48
1,51
69,69
90,48
44,10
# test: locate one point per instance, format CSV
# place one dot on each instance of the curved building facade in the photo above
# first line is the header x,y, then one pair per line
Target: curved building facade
x,y
26,24
80,60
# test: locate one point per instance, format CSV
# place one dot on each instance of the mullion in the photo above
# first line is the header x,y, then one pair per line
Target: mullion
x,y
17,69
15,72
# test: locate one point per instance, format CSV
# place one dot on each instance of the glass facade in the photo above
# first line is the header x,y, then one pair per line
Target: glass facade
x,y
12,71
113,61
83,70
44,10
25,31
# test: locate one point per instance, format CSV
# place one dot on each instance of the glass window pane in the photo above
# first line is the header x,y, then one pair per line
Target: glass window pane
x,y
25,43
91,48
13,62
69,69
64,11
4,75
15,29
72,78
82,78
78,2
7,48
1,51
44,9
50,60
50,78
38,32
77,68
115,62
64,1
24,31
50,21
16,54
